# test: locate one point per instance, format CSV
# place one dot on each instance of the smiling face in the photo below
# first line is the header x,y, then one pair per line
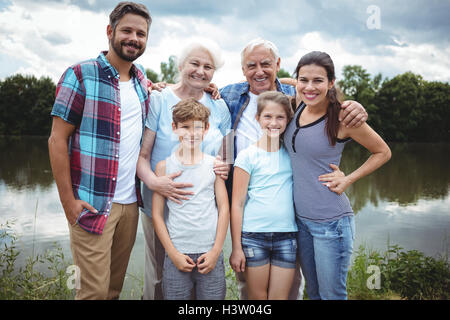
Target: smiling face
x,y
190,133
313,85
198,69
273,119
260,69
129,39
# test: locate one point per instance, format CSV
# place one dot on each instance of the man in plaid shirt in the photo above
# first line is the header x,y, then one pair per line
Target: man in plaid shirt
x,y
98,119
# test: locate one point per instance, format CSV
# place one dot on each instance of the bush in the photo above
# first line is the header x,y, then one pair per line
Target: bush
x,y
358,276
410,275
231,281
27,283
415,276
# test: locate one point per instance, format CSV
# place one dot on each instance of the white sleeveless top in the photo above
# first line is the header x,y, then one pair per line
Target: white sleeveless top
x,y
192,225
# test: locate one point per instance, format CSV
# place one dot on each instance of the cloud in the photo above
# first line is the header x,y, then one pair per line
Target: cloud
x,y
56,38
423,59
48,39
50,35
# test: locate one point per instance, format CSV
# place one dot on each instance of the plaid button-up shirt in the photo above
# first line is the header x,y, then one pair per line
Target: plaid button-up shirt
x,y
88,97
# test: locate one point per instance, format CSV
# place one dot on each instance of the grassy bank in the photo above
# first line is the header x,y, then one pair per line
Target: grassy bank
x,y
397,273
374,275
42,277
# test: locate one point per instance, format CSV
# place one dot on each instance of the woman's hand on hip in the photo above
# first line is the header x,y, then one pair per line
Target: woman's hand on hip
x,y
336,181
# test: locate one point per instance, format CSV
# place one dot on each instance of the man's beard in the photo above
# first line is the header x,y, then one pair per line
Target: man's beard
x,y
118,49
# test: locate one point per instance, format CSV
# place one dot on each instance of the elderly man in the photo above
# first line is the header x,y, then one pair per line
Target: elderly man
x,y
260,63
94,146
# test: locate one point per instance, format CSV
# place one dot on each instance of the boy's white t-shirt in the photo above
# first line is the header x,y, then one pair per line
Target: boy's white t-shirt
x,y
192,224
129,146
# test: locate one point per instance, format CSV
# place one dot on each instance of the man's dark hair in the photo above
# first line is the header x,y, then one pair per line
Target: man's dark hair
x,y
129,7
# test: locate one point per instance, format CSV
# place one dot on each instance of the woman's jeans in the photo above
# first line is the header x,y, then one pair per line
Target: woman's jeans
x,y
325,249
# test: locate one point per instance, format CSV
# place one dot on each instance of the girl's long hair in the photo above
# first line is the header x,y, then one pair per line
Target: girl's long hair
x,y
322,59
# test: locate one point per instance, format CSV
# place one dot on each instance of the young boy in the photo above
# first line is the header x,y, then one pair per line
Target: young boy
x,y
194,231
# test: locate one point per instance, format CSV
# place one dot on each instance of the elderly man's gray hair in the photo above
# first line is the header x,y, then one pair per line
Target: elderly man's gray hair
x,y
260,42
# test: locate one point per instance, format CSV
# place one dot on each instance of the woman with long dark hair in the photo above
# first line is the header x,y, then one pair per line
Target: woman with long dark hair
x,y
315,140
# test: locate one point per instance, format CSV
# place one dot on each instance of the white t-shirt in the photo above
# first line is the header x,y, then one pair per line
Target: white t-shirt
x,y
129,146
248,130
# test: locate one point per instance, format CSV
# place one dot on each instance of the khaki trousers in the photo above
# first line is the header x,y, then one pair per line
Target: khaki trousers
x,y
103,259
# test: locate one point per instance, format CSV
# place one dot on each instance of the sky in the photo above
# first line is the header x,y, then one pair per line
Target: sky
x,y
44,37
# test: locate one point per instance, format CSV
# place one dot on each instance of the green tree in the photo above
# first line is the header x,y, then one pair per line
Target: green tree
x,y
401,100
25,105
283,74
355,82
169,70
358,85
152,75
435,124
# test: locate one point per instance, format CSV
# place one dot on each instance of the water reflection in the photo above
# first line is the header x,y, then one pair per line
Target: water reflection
x,y
415,171
406,200
25,163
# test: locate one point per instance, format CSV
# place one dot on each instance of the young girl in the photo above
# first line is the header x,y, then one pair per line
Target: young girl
x,y
263,227
315,140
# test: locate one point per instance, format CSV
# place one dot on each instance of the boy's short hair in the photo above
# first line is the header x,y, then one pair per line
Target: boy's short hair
x,y
190,109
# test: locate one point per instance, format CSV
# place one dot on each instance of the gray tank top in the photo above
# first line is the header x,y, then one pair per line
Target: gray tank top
x,y
311,155
192,225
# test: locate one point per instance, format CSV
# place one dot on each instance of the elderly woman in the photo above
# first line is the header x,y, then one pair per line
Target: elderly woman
x,y
197,64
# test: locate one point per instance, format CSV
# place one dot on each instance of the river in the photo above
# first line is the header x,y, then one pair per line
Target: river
x,y
406,202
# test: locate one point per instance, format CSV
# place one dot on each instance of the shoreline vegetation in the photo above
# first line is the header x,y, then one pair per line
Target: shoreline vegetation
x,y
395,274
406,108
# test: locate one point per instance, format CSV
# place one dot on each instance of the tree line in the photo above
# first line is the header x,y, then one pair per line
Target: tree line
x,y
406,108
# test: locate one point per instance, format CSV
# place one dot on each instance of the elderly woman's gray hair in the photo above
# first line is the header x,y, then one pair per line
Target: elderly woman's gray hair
x,y
260,42
208,45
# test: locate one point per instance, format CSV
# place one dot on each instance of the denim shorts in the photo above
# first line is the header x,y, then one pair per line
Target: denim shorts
x,y
277,248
